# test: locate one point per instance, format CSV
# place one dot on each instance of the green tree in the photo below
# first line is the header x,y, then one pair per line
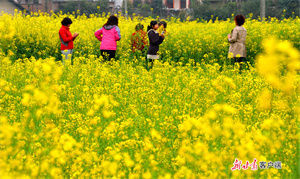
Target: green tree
x,y
157,7
85,7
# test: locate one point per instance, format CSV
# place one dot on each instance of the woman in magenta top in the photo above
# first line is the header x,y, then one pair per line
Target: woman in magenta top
x,y
109,34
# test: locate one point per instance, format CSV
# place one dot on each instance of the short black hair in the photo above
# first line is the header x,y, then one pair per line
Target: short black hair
x,y
66,21
112,20
240,20
163,23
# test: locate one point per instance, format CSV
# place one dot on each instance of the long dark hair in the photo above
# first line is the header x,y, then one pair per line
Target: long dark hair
x,y
152,24
112,20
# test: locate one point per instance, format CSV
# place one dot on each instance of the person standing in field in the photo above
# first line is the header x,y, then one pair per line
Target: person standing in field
x,y
237,40
139,39
155,39
108,35
66,39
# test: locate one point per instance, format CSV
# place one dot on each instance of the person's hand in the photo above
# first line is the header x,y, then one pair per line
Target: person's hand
x,y
75,35
229,36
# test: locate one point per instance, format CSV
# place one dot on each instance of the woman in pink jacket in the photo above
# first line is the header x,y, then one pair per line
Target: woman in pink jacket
x,y
109,34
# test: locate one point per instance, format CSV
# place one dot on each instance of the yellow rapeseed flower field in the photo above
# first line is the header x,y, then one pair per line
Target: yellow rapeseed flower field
x,y
185,118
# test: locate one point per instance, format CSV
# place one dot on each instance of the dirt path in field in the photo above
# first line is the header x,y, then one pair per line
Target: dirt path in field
x,y
7,6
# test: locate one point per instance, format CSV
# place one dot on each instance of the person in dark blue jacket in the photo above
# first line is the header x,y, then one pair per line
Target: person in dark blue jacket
x,y
155,39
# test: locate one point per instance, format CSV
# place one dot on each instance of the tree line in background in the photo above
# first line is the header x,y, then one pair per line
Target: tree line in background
x,y
274,8
199,9
85,7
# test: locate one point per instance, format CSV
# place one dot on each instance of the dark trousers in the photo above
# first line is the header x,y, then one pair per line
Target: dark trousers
x,y
108,54
239,60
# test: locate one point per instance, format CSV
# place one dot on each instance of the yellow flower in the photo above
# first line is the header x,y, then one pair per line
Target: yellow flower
x,y
264,100
147,175
128,161
279,64
188,117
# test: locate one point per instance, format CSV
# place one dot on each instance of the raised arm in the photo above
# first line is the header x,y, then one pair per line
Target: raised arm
x,y
98,34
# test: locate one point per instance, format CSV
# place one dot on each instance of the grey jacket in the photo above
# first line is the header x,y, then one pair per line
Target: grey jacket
x,y
238,42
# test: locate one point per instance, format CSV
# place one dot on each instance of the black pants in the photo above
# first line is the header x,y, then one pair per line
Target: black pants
x,y
243,65
108,54
239,59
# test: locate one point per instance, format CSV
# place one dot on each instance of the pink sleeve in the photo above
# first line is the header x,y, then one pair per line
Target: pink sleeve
x,y
98,34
